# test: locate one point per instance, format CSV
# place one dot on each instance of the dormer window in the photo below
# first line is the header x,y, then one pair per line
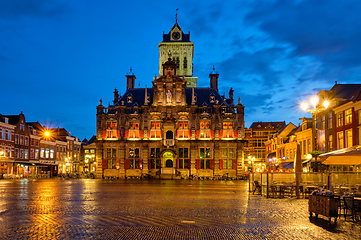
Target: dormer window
x,y
130,99
212,99
6,120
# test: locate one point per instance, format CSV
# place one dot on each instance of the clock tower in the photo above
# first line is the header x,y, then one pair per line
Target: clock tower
x,y
178,44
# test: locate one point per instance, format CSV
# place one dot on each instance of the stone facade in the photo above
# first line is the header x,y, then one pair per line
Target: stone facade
x,y
170,131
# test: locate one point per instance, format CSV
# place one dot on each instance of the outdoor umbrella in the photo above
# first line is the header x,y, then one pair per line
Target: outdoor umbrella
x,y
298,168
298,160
343,158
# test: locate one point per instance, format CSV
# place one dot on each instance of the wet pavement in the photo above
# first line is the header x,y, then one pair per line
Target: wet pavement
x,y
156,209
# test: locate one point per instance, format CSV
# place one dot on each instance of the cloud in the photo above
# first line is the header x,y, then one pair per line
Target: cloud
x,y
328,29
10,9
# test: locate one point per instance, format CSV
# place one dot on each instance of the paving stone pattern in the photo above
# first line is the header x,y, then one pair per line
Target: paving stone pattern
x,y
156,209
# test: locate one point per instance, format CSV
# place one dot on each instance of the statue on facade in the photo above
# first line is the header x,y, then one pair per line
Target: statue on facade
x,y
169,97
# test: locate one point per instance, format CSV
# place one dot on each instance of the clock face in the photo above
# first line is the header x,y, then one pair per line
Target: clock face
x,y
176,35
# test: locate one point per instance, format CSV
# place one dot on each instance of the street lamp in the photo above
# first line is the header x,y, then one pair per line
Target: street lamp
x,y
305,106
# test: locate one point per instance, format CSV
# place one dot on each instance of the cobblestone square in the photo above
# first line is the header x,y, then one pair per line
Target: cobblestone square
x,y
156,209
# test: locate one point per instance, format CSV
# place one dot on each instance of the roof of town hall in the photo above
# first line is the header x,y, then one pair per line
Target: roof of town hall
x,y
202,96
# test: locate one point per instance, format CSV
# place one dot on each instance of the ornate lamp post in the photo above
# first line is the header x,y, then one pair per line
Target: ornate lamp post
x,y
305,106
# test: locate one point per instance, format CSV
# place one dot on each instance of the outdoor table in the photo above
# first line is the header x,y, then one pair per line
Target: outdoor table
x,y
280,187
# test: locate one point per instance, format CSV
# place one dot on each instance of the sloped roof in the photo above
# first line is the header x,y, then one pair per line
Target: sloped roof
x,y
185,37
13,119
356,96
344,91
262,125
202,94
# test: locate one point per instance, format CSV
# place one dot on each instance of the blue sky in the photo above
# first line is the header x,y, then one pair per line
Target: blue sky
x,y
59,57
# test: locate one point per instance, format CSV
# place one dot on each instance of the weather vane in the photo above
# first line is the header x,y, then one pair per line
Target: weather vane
x,y
176,15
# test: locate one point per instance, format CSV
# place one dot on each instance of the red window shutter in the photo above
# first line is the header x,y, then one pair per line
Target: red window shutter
x,y
118,133
104,164
149,165
118,164
235,133
178,133
220,163
234,163
141,134
126,163
198,163
211,164
177,163
140,164
190,133
104,134
198,133
221,133
212,133
126,133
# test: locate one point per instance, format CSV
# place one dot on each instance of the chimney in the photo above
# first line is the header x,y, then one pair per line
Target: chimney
x,y
214,79
130,79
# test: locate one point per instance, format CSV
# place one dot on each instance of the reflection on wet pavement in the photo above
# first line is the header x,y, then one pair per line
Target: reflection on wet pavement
x,y
152,209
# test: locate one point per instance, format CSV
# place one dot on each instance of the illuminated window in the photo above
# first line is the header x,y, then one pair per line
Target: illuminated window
x,y
134,129
183,158
205,155
36,153
155,131
111,129
227,130
183,131
340,140
205,131
134,158
227,156
348,135
330,144
329,121
348,116
154,160
339,120
111,158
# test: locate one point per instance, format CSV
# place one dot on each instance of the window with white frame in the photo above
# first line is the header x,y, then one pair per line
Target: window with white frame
x,y
3,134
348,116
348,135
339,122
112,129
183,131
205,157
183,154
155,131
340,144
134,154
134,129
227,157
227,129
205,131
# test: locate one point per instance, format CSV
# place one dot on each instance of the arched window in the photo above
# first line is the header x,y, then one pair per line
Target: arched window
x,y
169,134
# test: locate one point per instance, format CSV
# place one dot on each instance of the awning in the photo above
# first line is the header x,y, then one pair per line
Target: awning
x,y
30,164
271,155
343,158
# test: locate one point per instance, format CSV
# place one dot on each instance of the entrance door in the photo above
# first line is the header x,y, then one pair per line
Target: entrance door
x,y
168,160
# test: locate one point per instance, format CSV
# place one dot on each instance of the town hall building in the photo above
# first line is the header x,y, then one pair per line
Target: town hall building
x,y
174,129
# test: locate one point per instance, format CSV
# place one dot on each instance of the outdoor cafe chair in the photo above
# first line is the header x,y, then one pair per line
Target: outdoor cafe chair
x,y
257,187
350,206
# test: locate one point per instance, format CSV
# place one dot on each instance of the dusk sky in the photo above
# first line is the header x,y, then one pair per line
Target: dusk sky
x,y
59,57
